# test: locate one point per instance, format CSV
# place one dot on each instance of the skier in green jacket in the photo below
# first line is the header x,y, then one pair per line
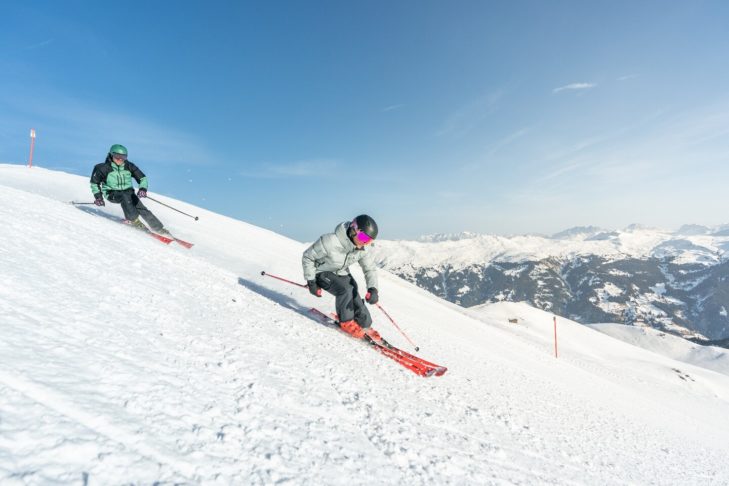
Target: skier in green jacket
x,y
112,180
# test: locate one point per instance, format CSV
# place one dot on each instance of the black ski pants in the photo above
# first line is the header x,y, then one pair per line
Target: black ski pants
x,y
348,303
133,207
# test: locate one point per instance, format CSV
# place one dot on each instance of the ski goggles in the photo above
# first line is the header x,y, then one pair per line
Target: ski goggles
x,y
119,156
363,237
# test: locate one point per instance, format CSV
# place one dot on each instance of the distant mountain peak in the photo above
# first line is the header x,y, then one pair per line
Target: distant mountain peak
x,y
577,232
636,227
722,230
693,229
438,237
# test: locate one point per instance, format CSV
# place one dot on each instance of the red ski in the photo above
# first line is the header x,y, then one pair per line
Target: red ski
x,y
161,238
184,243
439,370
164,239
414,363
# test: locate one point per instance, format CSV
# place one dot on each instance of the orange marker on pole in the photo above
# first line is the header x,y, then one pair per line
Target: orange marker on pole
x,y
555,336
32,144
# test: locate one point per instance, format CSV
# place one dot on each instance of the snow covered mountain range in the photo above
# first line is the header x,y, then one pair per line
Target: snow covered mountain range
x,y
127,361
673,281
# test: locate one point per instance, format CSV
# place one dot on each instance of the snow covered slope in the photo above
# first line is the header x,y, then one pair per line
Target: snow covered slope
x,y
123,360
711,357
540,326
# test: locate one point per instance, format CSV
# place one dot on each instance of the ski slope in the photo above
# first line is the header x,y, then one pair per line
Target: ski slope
x,y
123,360
710,357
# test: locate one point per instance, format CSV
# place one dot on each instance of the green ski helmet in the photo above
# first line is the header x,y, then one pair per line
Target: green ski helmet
x,y
118,149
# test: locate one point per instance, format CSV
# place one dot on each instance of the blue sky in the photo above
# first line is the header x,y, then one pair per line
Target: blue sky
x,y
493,117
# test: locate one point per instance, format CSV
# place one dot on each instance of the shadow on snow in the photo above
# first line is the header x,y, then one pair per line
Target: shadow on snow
x,y
279,298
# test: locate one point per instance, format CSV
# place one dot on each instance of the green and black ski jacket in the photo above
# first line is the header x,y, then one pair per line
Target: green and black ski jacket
x,y
109,176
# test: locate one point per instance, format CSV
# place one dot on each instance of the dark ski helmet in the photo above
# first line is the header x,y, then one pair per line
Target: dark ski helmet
x,y
118,149
362,228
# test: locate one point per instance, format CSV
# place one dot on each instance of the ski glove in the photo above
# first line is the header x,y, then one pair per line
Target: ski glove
x,y
142,193
371,296
313,288
99,200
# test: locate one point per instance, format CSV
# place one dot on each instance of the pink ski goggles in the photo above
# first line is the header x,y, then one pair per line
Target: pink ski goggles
x,y
363,237
359,235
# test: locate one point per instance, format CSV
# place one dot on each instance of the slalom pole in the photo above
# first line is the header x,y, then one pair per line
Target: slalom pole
x,y
283,279
32,144
174,209
397,327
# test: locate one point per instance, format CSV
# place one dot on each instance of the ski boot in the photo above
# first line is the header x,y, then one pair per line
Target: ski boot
x,y
137,224
373,334
352,328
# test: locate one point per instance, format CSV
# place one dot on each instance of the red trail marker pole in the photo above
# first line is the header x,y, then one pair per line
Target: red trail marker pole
x,y
32,144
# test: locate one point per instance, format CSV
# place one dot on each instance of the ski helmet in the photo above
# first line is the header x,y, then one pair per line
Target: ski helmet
x,y
363,228
118,149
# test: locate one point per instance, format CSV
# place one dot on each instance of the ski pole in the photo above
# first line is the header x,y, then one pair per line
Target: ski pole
x,y
283,279
174,209
82,203
398,327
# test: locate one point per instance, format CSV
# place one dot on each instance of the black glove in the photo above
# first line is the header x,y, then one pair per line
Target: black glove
x,y
142,192
313,288
372,297
99,200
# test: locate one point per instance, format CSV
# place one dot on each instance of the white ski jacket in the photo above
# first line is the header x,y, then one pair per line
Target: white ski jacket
x,y
335,252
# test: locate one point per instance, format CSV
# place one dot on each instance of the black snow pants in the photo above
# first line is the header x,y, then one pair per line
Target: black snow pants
x,y
349,304
133,207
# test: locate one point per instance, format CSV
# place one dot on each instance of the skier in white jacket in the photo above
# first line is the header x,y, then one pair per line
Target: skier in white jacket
x,y
326,266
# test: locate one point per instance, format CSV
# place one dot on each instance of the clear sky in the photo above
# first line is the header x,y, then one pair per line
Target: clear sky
x,y
431,116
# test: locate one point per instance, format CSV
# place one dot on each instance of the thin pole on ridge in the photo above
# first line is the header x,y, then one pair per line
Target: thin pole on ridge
x,y
32,144
174,209
417,348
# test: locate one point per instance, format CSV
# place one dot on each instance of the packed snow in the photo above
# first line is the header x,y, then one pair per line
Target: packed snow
x,y
675,347
126,361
